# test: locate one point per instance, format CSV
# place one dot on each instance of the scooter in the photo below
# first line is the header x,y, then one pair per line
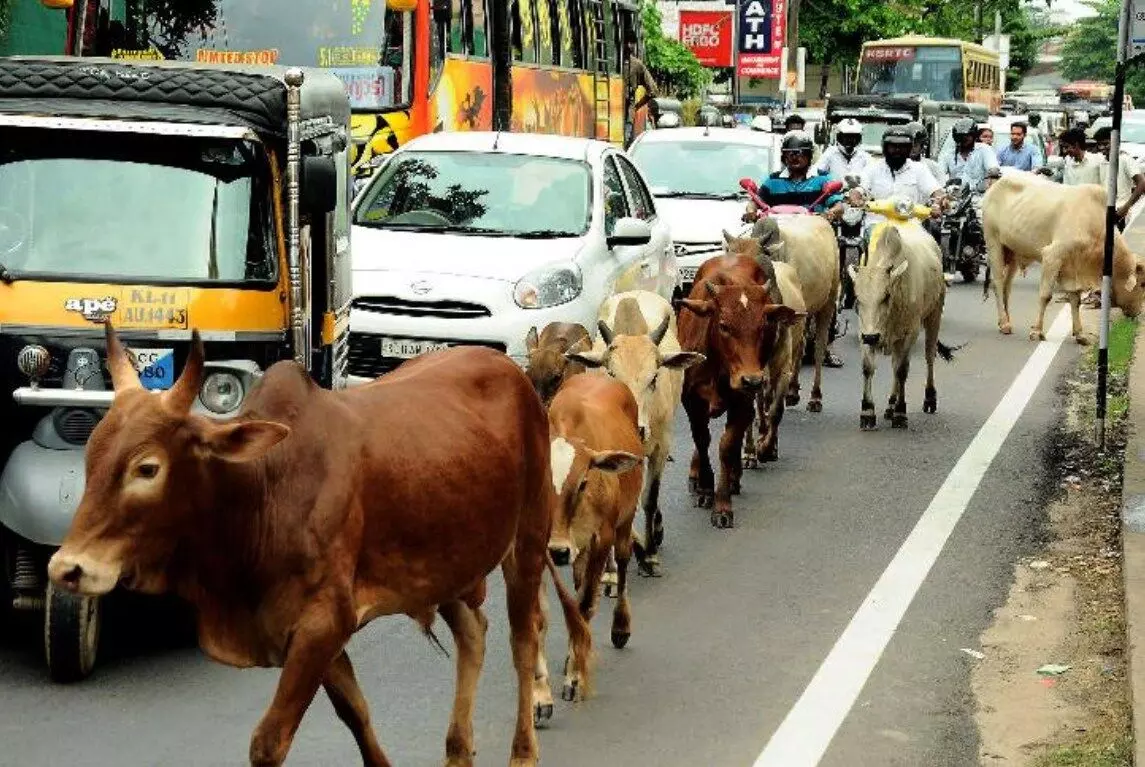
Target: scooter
x,y
896,211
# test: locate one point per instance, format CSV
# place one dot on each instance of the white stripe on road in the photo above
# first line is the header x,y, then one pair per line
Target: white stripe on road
x,y
809,727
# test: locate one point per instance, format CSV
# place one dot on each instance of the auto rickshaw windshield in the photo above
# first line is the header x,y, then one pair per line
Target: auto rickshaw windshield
x,y
123,207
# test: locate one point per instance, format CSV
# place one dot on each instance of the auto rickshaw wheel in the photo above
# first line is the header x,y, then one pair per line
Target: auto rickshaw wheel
x,y
71,634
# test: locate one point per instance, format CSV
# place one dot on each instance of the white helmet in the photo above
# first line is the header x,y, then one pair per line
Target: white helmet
x,y
850,125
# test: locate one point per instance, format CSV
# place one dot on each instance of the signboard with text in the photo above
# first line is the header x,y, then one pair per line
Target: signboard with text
x,y
708,34
759,44
1136,28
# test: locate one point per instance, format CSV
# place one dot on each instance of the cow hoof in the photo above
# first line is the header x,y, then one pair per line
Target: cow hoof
x,y
899,421
791,400
705,499
750,461
1037,335
620,638
542,713
930,406
888,414
769,454
650,567
721,520
1082,340
570,692
815,406
1005,329
868,422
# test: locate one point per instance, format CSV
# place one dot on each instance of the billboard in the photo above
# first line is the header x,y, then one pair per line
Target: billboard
x,y
708,34
759,44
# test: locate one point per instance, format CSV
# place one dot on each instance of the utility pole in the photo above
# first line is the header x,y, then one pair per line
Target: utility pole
x,y
502,66
998,42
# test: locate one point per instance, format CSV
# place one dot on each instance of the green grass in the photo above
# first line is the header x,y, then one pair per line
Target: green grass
x,y
1101,753
1122,334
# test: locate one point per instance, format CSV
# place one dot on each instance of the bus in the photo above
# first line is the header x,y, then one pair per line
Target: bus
x,y
410,66
939,69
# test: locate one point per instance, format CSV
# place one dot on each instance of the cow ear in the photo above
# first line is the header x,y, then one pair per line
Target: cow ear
x,y
702,308
615,461
783,314
898,270
711,288
682,360
589,359
244,441
727,237
531,340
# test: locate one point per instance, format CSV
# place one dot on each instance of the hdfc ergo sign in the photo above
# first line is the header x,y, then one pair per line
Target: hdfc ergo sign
x,y
708,34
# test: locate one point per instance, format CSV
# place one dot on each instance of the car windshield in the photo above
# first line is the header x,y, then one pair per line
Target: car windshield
x,y
479,193
129,207
1133,132
702,168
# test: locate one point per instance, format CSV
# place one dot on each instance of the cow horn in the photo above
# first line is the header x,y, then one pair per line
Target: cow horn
x,y
605,332
657,335
711,287
181,396
124,376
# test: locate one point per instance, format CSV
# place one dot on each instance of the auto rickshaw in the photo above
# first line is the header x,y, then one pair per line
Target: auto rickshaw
x,y
163,197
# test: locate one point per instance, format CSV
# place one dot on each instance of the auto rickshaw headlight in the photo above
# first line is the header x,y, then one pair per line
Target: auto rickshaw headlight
x,y
222,392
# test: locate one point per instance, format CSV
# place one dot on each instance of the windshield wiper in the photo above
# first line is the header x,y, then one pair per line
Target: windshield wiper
x,y
441,228
699,195
543,234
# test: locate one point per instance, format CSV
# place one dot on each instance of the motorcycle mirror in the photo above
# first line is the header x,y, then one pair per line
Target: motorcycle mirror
x,y
852,181
748,185
832,187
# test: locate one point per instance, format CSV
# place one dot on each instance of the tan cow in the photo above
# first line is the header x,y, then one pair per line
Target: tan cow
x,y
597,471
809,244
900,290
1029,219
786,357
548,367
638,346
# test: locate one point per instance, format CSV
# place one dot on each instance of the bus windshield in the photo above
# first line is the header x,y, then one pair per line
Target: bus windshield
x,y
931,70
361,42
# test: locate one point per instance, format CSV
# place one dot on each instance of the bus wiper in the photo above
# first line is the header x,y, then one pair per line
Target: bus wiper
x,y
543,234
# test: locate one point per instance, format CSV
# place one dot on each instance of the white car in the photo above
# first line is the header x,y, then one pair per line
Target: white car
x,y
694,174
472,238
1132,132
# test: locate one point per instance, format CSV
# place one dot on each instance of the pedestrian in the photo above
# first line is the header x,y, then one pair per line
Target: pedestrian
x,y
636,75
1018,153
986,135
1130,180
1081,166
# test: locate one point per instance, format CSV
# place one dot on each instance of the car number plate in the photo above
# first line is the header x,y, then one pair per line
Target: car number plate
x,y
156,367
406,348
688,273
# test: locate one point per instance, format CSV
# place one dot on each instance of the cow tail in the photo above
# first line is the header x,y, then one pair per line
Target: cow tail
x,y
580,635
426,623
986,283
947,352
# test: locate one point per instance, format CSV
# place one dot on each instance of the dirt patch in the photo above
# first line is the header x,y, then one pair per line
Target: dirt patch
x,y
1066,608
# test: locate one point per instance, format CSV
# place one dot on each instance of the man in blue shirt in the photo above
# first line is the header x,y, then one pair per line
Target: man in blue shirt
x,y
798,183
1017,154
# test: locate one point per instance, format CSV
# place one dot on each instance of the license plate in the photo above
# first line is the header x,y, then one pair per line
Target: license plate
x,y
406,348
156,367
688,273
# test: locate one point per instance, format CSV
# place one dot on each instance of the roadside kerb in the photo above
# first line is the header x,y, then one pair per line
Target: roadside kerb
x,y
1133,544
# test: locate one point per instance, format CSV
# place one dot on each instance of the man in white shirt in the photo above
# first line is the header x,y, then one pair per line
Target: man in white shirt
x,y
845,158
1081,167
1130,180
896,174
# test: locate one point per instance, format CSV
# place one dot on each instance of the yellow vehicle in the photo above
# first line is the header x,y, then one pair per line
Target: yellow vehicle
x,y
163,197
940,69
898,211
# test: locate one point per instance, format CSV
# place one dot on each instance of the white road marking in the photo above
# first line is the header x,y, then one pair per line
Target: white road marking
x,y
562,454
807,731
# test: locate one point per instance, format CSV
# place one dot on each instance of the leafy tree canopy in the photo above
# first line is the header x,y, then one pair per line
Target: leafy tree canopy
x,y
1090,50
675,68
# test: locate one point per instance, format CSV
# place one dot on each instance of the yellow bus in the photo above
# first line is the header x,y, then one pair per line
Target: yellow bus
x,y
410,66
940,69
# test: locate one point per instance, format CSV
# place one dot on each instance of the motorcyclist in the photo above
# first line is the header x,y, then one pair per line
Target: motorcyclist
x,y
896,175
918,151
971,160
845,158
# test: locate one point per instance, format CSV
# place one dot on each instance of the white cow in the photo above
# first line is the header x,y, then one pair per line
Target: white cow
x,y
1028,219
900,291
639,347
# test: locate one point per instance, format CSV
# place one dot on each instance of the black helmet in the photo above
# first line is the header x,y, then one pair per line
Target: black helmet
x,y
963,127
798,141
898,134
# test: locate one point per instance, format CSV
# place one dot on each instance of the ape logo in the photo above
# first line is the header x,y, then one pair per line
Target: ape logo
x,y
92,309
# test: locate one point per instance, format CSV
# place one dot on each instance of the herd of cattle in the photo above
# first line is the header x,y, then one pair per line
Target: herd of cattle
x,y
316,511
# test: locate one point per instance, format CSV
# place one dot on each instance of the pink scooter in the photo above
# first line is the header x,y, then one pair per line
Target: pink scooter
x,y
752,189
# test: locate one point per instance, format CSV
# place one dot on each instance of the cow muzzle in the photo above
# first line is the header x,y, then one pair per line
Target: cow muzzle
x,y
751,383
872,339
561,553
82,575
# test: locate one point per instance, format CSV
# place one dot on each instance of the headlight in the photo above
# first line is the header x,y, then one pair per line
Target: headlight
x,y
548,286
852,216
222,392
904,207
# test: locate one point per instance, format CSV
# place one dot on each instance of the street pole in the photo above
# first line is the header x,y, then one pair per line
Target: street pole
x,y
998,42
1111,220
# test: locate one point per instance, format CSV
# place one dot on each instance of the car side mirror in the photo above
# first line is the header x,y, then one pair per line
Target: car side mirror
x,y
319,183
629,231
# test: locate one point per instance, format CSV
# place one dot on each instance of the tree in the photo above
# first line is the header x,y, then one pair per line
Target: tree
x,y
1090,50
674,67
171,21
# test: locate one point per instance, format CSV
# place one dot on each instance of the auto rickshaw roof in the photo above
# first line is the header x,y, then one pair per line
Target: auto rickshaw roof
x,y
174,91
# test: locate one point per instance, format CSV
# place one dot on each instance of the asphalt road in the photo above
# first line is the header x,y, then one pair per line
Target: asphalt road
x,y
723,645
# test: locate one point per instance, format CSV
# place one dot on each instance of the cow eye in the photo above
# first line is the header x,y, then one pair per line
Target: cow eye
x,y
725,327
147,470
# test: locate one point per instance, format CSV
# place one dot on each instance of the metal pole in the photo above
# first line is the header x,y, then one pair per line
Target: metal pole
x,y
299,334
998,44
1110,221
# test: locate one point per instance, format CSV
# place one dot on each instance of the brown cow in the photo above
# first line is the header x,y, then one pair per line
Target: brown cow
x,y
548,367
729,317
597,469
313,512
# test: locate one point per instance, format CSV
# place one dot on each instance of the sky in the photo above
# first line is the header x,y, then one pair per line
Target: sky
x,y
1069,9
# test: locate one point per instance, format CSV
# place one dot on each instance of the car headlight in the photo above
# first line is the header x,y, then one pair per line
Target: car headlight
x,y
222,392
551,285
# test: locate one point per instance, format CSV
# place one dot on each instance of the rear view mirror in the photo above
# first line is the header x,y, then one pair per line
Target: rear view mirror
x,y
748,185
832,187
319,184
630,231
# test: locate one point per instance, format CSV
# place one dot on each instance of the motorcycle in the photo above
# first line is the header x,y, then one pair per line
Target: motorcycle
x,y
960,233
852,246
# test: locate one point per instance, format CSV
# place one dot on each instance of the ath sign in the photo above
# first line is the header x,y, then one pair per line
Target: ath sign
x,y
762,26
708,34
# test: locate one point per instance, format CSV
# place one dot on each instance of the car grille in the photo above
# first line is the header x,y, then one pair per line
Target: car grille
x,y
366,360
450,310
